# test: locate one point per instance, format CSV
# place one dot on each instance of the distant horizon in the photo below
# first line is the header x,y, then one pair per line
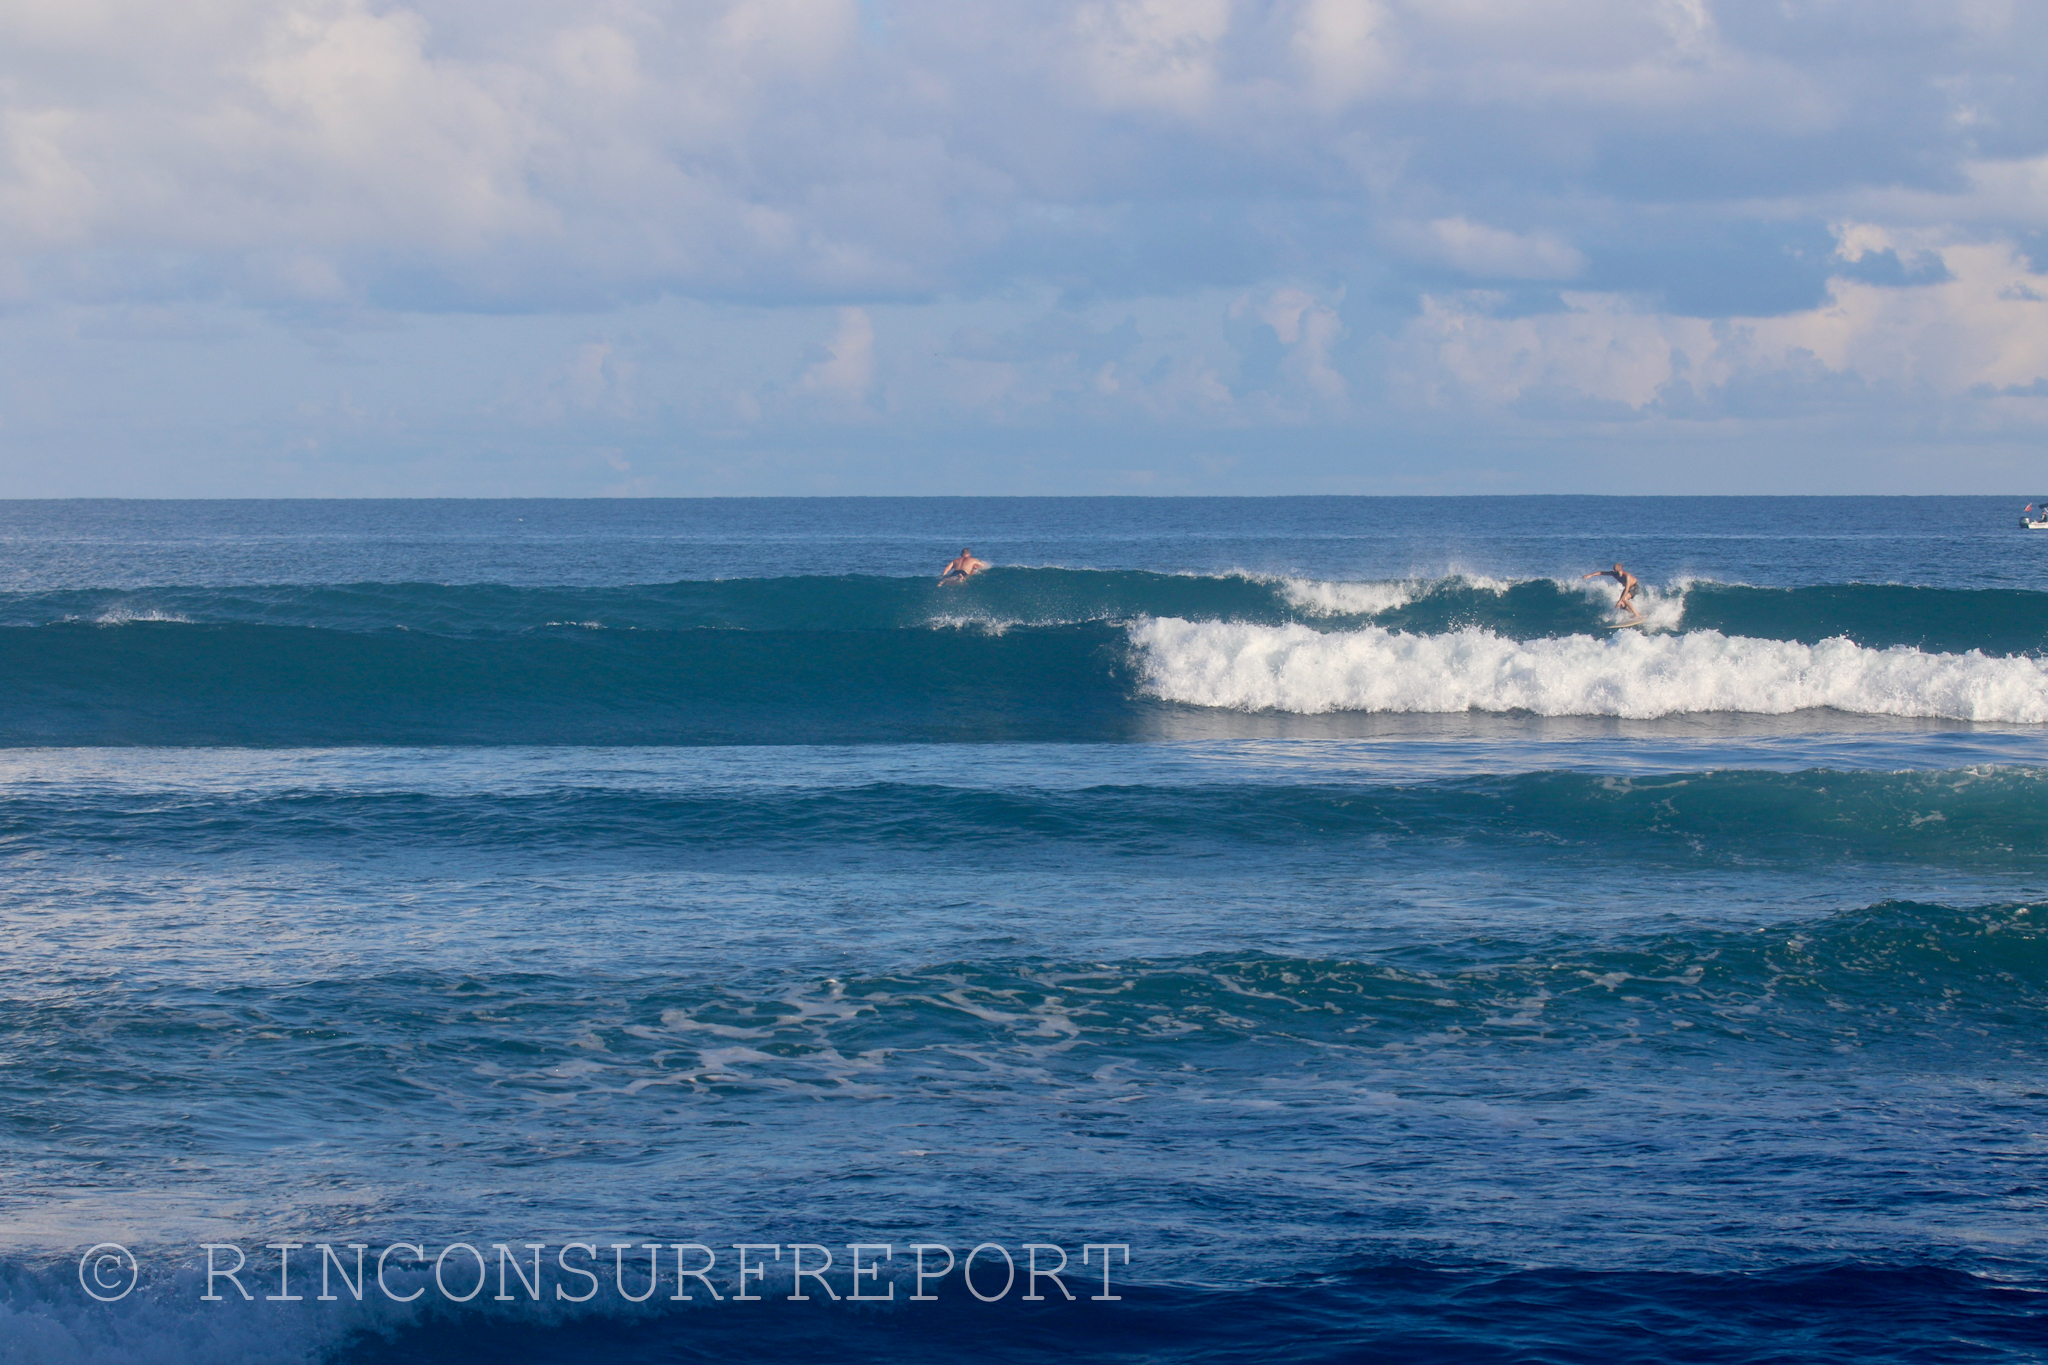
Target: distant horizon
x,y
1054,497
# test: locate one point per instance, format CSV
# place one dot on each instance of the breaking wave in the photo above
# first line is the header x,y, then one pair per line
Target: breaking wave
x,y
1996,621
1293,668
1038,654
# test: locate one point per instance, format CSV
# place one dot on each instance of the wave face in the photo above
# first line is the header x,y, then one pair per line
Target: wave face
x,y
847,602
155,683
1016,654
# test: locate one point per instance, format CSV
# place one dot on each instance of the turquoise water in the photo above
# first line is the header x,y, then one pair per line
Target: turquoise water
x,y
1309,897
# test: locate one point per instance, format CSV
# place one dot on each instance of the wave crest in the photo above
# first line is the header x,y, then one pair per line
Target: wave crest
x,y
1316,597
1996,621
1293,668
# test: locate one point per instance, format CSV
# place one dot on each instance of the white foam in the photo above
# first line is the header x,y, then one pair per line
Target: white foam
x,y
1346,599
1660,609
985,624
121,616
1294,668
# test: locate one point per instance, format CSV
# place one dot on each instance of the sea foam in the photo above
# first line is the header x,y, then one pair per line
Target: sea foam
x,y
1319,598
1294,668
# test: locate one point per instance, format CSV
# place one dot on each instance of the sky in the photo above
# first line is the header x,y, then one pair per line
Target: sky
x,y
625,247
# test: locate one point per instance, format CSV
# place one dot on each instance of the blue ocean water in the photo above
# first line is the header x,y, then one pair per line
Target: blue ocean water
x,y
1307,906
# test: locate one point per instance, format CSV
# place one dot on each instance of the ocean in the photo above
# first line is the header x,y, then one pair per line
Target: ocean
x,y
1228,930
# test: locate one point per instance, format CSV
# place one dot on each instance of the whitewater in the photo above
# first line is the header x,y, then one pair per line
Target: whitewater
x,y
1293,668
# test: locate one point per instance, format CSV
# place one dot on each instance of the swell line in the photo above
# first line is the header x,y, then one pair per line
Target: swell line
x,y
1993,621
1992,816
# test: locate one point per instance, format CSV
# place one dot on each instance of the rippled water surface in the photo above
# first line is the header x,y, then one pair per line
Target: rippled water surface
x,y
1313,899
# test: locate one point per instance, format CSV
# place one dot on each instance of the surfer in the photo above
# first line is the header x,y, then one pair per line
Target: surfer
x,y
959,569
1629,584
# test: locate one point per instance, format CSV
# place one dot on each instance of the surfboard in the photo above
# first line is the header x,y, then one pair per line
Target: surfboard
x,y
1624,625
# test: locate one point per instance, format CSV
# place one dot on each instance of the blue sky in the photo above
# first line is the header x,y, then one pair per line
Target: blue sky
x,y
308,247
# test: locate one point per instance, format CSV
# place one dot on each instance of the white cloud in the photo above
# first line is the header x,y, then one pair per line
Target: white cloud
x,y
1343,46
2010,191
1308,328
1084,185
1490,252
553,143
540,153
599,378
309,124
847,369
1984,326
1158,54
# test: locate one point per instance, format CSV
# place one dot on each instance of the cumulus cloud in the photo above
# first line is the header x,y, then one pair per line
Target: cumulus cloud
x,y
264,125
1981,326
543,154
1100,212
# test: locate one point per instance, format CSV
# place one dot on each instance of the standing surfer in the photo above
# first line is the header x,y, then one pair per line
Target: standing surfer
x,y
1629,584
959,569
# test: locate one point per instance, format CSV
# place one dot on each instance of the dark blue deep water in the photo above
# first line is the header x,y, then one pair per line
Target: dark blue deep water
x,y
1310,907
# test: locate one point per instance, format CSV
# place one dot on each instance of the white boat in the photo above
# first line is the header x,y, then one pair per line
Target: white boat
x,y
2035,518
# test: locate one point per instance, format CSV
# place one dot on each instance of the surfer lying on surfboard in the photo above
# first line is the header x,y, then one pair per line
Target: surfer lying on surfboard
x,y
959,569
1629,584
